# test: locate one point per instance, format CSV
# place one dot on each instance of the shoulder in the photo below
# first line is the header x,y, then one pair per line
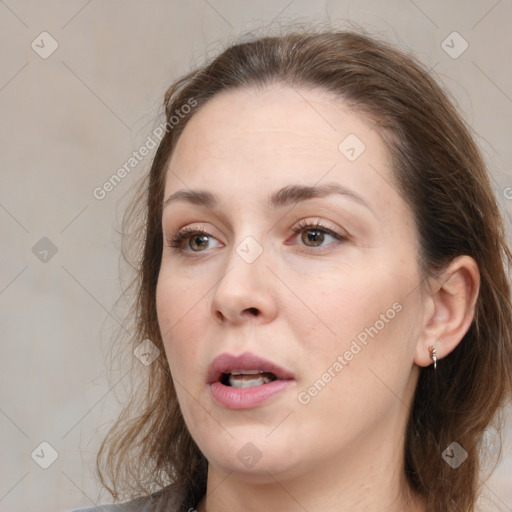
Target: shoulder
x,y
139,505
102,508
168,499
125,507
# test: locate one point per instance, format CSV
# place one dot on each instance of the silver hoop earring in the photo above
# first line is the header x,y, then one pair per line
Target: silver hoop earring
x,y
433,356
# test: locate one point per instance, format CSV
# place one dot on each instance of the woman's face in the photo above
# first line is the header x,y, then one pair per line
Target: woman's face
x,y
288,296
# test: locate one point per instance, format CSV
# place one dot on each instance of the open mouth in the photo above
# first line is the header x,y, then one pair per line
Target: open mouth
x,y
246,378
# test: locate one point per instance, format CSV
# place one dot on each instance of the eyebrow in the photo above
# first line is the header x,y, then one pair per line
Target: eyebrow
x,y
286,196
198,197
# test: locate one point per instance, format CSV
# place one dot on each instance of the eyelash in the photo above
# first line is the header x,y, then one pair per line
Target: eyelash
x,y
176,240
305,225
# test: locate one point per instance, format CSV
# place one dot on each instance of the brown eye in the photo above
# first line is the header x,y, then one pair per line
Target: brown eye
x,y
198,242
189,240
313,237
316,236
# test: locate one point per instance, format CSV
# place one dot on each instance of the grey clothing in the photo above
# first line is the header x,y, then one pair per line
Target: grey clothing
x,y
166,500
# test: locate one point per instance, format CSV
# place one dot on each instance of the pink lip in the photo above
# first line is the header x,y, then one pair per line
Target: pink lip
x,y
246,398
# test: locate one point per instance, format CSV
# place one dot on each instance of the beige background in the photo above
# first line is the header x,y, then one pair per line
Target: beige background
x,y
69,121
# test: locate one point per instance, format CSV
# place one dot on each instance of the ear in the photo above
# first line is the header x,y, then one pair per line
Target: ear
x,y
449,309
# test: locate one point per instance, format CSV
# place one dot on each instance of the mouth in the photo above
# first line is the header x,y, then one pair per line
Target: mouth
x,y
242,379
245,370
246,380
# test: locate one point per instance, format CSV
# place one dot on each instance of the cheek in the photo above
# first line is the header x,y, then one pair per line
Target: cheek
x,y
363,323
354,377
179,307
345,305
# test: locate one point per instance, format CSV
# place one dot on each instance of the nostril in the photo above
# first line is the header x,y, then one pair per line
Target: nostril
x,y
228,316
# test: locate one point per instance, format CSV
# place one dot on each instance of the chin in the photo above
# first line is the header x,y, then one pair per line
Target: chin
x,y
254,458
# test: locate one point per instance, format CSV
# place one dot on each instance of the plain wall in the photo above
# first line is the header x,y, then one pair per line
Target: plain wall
x,y
68,122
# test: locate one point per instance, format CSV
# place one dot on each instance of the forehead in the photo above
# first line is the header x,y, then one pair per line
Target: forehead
x,y
257,139
312,119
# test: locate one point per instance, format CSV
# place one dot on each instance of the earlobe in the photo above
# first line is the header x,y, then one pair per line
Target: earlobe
x,y
450,309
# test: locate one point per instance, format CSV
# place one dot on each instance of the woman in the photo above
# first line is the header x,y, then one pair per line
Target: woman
x,y
324,274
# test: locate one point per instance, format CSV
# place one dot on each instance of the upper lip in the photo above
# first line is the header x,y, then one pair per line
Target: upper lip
x,y
226,363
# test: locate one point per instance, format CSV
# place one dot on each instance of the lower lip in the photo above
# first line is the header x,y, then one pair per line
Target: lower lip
x,y
247,398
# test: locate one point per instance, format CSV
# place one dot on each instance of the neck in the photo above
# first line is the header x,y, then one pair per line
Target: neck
x,y
367,477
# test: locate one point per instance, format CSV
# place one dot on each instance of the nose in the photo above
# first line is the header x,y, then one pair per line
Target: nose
x,y
245,293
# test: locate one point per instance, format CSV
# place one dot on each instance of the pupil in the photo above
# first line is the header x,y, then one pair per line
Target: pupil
x,y
313,237
199,242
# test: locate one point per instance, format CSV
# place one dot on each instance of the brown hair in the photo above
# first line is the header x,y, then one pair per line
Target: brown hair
x,y
440,174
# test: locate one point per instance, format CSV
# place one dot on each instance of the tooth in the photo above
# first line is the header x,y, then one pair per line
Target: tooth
x,y
245,372
247,383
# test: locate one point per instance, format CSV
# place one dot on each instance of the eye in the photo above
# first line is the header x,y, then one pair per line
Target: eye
x,y
316,235
193,240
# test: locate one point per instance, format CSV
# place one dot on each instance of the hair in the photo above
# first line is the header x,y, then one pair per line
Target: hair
x,y
439,172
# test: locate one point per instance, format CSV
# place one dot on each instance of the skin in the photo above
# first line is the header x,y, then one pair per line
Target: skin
x,y
300,306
